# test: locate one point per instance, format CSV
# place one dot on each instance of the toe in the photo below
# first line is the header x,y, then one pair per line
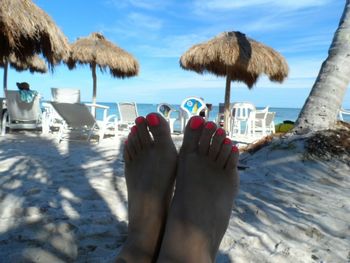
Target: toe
x,y
205,139
192,134
224,153
134,140
159,128
143,133
232,161
216,143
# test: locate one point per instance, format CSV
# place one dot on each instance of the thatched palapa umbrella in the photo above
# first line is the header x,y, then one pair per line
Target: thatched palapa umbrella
x,y
96,50
234,55
33,64
25,30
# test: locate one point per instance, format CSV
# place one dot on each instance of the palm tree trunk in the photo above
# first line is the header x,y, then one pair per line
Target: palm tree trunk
x,y
227,103
94,78
326,97
5,75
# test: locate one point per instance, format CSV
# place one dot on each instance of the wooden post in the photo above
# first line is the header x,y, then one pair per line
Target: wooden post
x,y
227,103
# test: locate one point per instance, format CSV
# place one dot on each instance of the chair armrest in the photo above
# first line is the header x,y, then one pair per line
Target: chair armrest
x,y
97,106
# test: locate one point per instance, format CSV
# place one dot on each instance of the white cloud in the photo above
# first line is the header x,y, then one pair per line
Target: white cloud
x,y
230,5
142,4
144,21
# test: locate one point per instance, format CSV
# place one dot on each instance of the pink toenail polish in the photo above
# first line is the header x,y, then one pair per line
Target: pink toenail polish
x,y
227,141
234,149
196,122
210,126
139,120
133,130
220,132
152,120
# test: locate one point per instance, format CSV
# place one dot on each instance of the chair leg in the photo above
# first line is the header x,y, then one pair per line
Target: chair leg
x,y
3,124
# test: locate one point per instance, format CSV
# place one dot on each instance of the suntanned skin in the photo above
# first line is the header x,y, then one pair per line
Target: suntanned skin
x,y
206,183
150,169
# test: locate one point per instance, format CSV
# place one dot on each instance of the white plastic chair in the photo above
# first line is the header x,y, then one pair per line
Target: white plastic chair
x,y
239,115
260,122
127,115
167,111
22,115
343,112
191,106
78,117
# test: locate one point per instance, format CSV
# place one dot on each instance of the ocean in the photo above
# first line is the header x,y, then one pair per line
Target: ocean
x,y
282,114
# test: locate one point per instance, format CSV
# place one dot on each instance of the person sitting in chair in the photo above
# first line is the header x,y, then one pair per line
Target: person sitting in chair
x,y
26,95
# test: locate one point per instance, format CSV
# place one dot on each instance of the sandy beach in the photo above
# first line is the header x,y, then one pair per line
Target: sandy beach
x,y
67,203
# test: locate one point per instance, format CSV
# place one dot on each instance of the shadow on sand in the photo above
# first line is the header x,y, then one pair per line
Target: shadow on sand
x,y
62,205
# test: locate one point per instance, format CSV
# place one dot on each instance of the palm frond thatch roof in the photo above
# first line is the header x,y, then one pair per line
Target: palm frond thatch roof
x,y
235,55
25,29
33,64
96,49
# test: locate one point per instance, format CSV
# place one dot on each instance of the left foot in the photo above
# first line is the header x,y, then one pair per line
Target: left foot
x,y
150,167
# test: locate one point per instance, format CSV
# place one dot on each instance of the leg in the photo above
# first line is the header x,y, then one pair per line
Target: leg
x,y
150,169
206,183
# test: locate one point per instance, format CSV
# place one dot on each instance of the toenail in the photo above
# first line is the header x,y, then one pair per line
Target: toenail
x,y
234,149
220,132
139,120
227,141
152,120
210,126
196,122
133,130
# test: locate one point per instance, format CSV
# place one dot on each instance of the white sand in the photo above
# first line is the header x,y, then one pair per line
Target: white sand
x,y
67,203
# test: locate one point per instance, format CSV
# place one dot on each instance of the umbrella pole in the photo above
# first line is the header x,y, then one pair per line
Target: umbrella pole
x,y
93,109
5,75
227,103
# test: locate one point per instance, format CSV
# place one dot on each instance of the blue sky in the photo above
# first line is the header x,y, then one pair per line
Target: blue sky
x,y
158,32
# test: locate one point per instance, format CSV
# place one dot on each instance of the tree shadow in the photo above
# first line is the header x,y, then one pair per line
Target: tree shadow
x,y
60,205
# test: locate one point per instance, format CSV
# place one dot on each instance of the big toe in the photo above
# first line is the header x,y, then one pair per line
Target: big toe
x,y
192,134
158,127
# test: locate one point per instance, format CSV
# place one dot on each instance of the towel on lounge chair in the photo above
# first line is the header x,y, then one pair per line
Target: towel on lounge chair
x,y
27,95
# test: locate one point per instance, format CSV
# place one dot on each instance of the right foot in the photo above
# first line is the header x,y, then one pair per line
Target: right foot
x,y
150,167
206,184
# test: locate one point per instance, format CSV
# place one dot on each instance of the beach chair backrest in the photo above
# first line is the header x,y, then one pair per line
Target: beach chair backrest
x,y
127,112
192,106
76,115
65,95
22,111
241,110
164,109
270,116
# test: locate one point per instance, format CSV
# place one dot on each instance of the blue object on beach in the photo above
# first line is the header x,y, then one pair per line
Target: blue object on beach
x,y
27,95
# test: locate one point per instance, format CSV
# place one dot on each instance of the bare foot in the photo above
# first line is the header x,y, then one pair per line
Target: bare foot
x,y
150,169
206,184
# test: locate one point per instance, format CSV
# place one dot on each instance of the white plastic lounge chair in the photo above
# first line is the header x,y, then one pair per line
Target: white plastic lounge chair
x,y
168,112
77,117
343,112
127,115
64,95
239,117
191,106
22,115
220,119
